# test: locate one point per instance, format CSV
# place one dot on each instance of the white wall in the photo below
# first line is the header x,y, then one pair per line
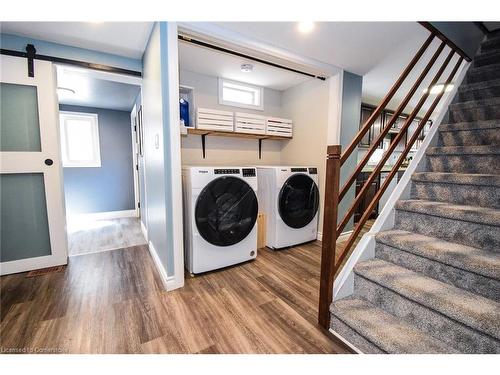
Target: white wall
x,y
228,151
311,105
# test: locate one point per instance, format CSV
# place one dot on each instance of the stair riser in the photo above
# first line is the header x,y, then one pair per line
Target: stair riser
x,y
353,337
479,94
490,45
474,114
485,60
463,232
473,137
473,282
482,74
486,164
472,195
459,336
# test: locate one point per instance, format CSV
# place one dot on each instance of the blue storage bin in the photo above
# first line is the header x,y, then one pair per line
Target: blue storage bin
x,y
184,110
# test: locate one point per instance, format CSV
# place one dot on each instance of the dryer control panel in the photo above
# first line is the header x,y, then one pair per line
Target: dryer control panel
x,y
248,172
226,171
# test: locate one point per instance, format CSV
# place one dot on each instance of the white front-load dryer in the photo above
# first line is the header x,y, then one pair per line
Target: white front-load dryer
x,y
220,214
289,196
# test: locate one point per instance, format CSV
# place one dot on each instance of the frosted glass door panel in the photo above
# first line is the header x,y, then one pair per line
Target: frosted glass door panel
x,y
24,228
19,122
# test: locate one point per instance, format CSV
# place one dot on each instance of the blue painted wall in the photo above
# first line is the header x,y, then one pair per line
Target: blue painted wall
x,y
18,43
110,187
351,111
465,35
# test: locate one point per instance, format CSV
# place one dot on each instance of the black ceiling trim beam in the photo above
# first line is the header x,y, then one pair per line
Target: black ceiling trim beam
x,y
81,64
231,52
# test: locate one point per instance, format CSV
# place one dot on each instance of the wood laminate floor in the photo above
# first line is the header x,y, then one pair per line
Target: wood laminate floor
x,y
112,302
90,236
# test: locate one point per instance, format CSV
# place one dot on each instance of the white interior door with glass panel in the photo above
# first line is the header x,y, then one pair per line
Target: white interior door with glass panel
x,y
32,222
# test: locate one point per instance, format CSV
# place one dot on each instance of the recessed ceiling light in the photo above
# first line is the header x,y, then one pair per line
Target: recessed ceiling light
x,y
438,88
305,27
65,91
246,68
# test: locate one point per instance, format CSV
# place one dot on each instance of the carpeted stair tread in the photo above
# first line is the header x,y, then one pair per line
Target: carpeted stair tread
x,y
491,44
470,125
464,150
487,58
457,178
472,310
489,102
479,85
491,71
384,330
468,258
473,214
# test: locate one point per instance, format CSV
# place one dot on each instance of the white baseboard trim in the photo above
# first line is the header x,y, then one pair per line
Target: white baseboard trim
x,y
29,264
103,215
156,259
343,236
144,231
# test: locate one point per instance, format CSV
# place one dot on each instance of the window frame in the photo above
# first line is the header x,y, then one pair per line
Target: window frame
x,y
66,161
260,89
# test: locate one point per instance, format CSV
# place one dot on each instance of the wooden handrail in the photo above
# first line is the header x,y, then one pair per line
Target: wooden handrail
x,y
395,168
391,149
331,260
388,126
385,101
330,236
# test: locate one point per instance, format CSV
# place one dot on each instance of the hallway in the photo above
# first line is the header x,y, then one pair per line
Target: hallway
x,y
91,236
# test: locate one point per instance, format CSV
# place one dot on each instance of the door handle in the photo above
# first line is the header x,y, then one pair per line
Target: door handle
x,y
49,162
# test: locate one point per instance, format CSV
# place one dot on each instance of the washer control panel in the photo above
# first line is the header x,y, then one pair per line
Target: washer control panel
x,y
248,172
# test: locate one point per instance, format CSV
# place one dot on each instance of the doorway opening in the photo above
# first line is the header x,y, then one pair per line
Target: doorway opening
x,y
102,159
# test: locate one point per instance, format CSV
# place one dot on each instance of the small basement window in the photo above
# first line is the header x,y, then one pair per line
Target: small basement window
x,y
80,139
239,94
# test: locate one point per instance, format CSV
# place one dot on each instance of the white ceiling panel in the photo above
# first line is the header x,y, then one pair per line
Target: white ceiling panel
x,y
90,91
218,64
127,39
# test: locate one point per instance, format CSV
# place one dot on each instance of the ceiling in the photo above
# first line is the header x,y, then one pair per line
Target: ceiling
x,y
94,92
218,64
378,51
127,39
353,46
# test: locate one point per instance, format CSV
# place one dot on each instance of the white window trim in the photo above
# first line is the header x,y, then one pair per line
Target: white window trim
x,y
67,163
241,105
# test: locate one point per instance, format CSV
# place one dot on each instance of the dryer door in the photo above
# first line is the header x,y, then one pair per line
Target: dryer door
x,y
226,211
298,201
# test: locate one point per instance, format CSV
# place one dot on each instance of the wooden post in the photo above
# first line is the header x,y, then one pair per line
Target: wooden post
x,y
332,185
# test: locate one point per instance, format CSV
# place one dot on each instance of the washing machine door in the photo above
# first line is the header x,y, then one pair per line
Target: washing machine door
x,y
298,201
226,211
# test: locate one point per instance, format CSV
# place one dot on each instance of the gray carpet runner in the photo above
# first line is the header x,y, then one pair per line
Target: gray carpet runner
x,y
434,285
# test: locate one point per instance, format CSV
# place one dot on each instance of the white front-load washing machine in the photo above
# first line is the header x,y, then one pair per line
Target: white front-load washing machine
x,y
220,214
289,197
